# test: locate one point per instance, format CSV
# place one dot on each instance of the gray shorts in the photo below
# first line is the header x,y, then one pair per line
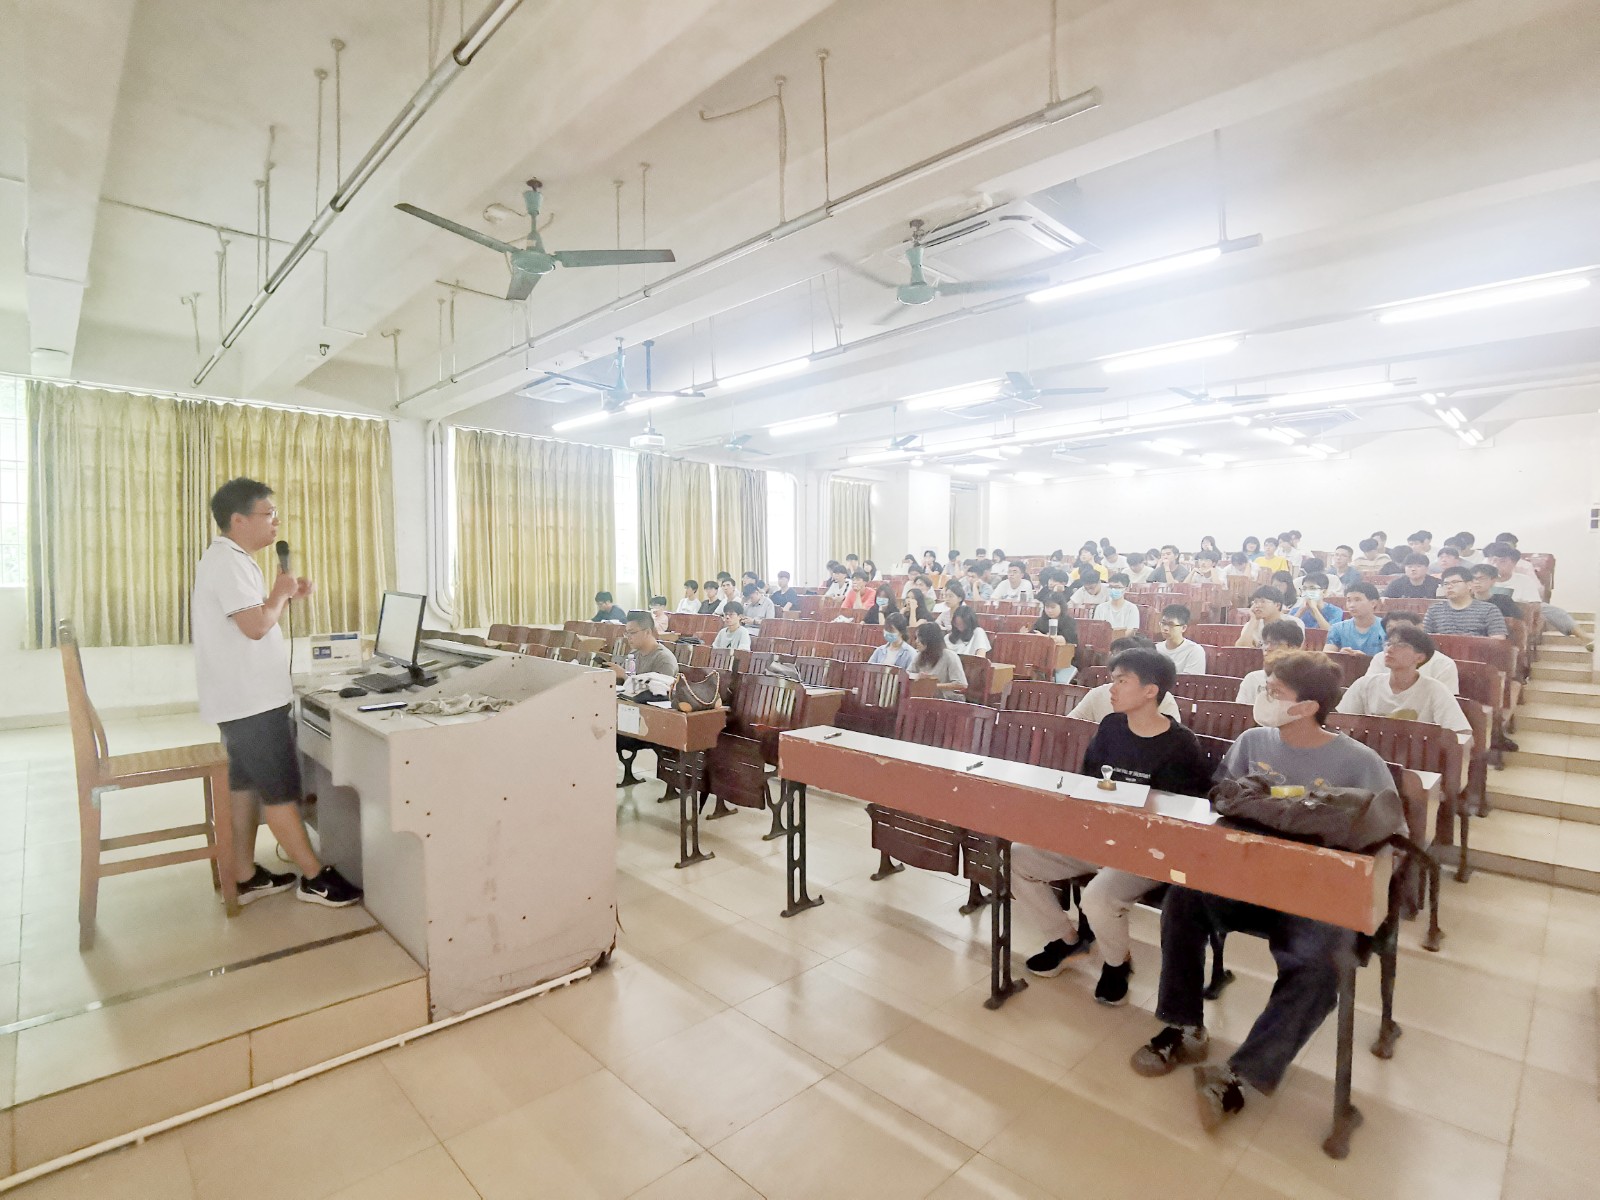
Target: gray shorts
x,y
262,757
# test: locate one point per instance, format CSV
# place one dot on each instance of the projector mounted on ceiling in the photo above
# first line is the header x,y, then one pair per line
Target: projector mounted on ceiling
x,y
648,440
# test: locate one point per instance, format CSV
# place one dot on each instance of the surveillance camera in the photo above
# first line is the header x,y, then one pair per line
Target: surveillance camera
x,y
323,349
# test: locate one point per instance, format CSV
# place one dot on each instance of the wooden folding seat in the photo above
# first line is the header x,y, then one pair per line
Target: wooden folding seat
x,y
1206,687
1032,655
875,692
1037,695
1214,635
850,652
1093,677
1043,739
813,671
1216,718
499,633
1236,661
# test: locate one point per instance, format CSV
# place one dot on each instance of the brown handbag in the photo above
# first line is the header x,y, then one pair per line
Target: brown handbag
x,y
697,697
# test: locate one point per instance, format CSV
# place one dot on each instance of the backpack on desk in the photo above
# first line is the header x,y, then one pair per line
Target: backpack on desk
x,y
1338,818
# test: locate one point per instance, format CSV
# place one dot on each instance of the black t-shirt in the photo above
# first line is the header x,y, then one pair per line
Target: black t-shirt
x,y
1507,606
784,598
1168,762
1066,628
613,613
1404,589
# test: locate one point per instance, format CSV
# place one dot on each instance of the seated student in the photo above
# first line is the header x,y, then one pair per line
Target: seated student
x,y
710,598
1270,560
952,565
1207,568
1523,586
1277,638
1266,605
999,564
966,635
895,651
909,565
1449,556
838,581
646,655
1140,745
1464,546
1123,614
1251,548
1168,569
860,594
1284,582
1089,560
870,567
784,598
937,661
1460,611
1112,560
1415,584
727,593
852,564
1343,569
1292,747
1484,579
733,635
1055,622
914,604
1289,548
1210,543
1238,565
1188,658
1440,666
658,613
690,600
757,607
976,586
1371,558
1403,692
954,597
1089,588
930,563
606,609
1421,542
1313,611
1014,588
1096,703
1138,571
1360,632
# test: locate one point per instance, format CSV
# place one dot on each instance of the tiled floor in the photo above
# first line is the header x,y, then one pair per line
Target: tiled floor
x,y
845,1052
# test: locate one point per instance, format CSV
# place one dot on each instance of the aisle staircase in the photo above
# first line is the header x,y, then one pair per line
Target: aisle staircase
x,y
1545,823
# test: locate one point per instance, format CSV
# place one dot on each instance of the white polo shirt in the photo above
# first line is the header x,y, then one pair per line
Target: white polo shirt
x,y
237,676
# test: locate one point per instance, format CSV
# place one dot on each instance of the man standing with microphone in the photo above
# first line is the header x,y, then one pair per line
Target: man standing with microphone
x,y
242,669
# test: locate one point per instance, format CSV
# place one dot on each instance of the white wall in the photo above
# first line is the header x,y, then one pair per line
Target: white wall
x,y
1537,479
911,514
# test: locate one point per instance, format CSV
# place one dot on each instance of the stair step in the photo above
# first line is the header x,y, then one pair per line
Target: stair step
x,y
1578,670
1541,848
1567,692
1563,650
1538,716
1547,792
1558,751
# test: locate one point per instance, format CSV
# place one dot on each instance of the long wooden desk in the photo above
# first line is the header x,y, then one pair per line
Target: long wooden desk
x,y
691,735
1130,827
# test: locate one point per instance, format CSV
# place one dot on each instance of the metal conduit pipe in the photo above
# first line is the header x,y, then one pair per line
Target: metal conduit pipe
x,y
1043,118
415,109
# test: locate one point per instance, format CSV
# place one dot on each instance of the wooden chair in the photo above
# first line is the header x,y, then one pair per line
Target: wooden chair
x,y
1234,661
1093,677
1037,695
1043,739
101,773
947,723
1206,687
1316,639
850,653
875,691
744,760
1352,667
1214,635
500,633
814,672
1216,718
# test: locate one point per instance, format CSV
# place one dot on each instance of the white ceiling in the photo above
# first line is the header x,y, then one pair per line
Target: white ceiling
x,y
1382,149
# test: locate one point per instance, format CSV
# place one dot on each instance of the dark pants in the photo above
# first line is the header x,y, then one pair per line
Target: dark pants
x,y
1309,955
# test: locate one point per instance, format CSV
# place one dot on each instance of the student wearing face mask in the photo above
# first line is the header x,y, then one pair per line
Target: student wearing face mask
x,y
1315,612
895,651
1290,748
1122,613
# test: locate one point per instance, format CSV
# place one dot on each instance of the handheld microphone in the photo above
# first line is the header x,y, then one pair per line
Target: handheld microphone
x,y
283,557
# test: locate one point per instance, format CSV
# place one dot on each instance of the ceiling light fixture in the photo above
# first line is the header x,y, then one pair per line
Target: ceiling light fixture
x,y
590,418
879,456
778,370
1448,416
1491,295
1458,415
1172,352
803,424
954,397
1152,269
1431,398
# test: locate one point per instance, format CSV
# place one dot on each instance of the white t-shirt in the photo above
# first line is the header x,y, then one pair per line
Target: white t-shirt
x,y
1085,596
1425,700
979,645
1125,617
1096,706
1438,667
1251,686
1524,589
1023,592
237,676
1189,658
688,605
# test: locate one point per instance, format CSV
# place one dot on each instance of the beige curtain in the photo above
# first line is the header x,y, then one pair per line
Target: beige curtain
x,y
850,517
118,509
535,535
741,520
675,534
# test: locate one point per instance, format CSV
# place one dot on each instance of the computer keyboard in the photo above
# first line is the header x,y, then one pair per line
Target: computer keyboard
x,y
379,681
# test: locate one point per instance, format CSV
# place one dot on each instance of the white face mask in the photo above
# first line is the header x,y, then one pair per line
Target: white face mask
x,y
1270,712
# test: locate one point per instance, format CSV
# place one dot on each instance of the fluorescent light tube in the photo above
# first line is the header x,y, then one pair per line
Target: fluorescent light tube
x,y
646,403
591,418
1458,415
1472,299
878,456
1174,352
777,370
803,424
1448,416
954,397
1131,274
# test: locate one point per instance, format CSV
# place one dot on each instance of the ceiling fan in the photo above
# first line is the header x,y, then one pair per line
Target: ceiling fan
x,y
740,444
1020,386
920,291
531,261
617,394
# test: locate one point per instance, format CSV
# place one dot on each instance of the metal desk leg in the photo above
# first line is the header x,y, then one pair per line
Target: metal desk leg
x,y
626,757
1346,1116
1001,985
1388,1031
792,798
692,768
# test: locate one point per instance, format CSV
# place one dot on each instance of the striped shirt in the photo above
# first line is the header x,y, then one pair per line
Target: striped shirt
x,y
1478,619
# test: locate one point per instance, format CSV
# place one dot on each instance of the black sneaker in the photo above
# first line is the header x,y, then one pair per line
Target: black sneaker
x,y
1113,986
264,883
1217,1096
329,888
1162,1053
1052,960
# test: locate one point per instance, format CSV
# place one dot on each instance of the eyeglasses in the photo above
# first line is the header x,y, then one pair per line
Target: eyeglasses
x,y
270,513
1173,625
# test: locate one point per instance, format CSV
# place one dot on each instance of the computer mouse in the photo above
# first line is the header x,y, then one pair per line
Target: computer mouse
x,y
350,692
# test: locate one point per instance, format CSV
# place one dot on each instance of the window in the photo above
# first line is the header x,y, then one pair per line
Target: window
x,y
13,484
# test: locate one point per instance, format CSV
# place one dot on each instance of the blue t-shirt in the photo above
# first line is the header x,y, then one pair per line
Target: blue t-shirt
x,y
1331,613
1345,636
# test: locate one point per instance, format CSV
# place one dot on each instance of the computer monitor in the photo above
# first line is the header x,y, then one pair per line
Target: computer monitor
x,y
400,628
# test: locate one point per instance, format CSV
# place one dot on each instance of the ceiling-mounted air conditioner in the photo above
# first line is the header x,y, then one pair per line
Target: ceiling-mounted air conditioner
x,y
1009,239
